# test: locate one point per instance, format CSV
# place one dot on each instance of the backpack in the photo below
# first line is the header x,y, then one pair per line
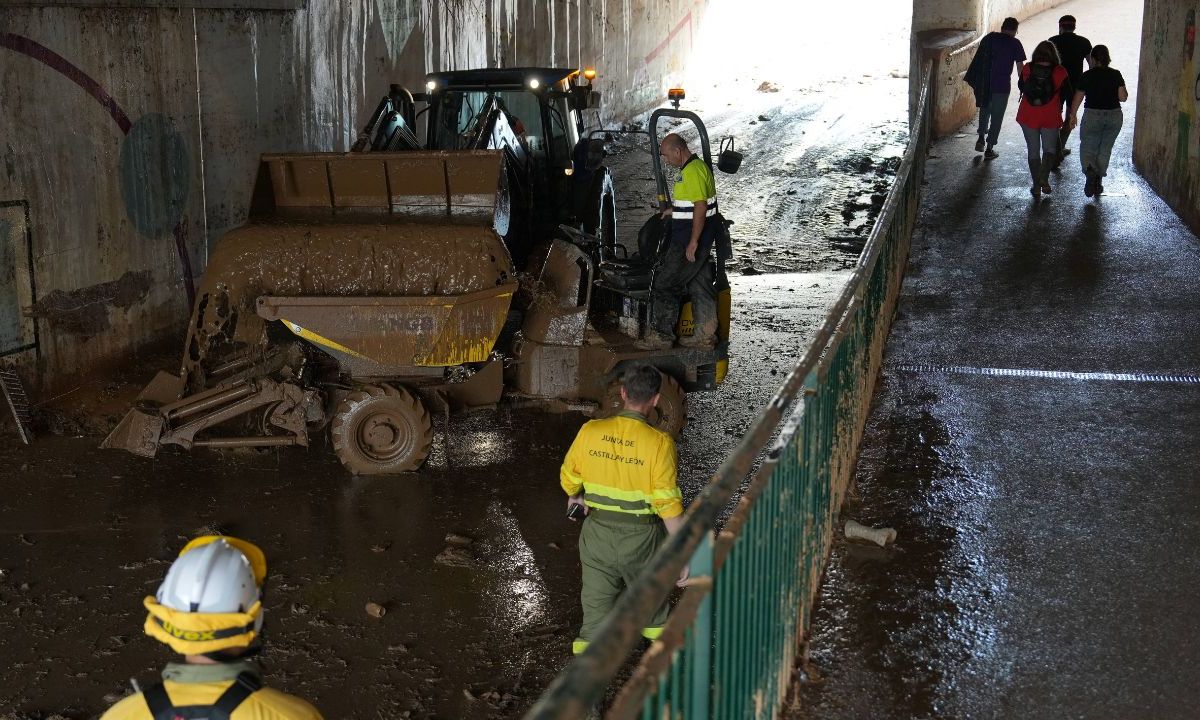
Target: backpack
x,y
1039,86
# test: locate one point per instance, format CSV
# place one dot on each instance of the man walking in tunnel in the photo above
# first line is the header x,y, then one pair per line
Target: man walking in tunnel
x,y
686,267
209,609
1072,51
990,77
620,474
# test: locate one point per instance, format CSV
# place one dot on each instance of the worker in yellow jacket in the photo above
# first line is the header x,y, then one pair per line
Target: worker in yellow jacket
x,y
209,609
621,472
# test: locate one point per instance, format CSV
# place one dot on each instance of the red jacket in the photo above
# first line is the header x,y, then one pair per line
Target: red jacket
x,y
1049,115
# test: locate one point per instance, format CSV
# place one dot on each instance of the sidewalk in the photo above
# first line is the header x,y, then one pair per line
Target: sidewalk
x,y
1046,559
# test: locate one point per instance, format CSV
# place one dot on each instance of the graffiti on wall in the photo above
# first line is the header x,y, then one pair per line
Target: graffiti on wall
x,y
1188,138
154,170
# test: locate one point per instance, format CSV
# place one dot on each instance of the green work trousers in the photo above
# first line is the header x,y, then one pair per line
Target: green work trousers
x,y
613,549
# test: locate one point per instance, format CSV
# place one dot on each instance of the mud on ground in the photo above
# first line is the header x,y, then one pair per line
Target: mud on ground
x,y
471,559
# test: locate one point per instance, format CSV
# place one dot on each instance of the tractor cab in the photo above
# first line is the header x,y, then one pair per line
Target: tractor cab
x,y
532,114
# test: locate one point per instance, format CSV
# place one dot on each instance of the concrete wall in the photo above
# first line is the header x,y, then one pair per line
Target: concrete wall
x,y
130,131
1166,142
947,31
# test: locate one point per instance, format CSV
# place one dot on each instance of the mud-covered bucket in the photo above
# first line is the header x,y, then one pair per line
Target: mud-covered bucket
x,y
728,160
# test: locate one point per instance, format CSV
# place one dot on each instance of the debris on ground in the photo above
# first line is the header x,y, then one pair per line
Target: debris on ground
x,y
376,610
880,536
455,556
768,87
459,540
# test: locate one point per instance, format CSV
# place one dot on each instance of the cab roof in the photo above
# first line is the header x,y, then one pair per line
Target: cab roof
x,y
498,77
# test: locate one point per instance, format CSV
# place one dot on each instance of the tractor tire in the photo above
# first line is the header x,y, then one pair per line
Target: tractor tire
x,y
670,416
380,430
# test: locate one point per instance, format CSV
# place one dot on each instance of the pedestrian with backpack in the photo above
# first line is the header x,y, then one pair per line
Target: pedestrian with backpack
x,y
990,78
1043,83
1104,89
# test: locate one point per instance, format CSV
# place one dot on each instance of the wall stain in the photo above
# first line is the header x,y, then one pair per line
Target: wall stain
x,y
85,311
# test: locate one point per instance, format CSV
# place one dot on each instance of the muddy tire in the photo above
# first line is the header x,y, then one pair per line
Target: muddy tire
x,y
379,429
671,414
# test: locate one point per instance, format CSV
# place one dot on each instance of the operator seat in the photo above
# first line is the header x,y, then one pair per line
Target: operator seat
x,y
636,272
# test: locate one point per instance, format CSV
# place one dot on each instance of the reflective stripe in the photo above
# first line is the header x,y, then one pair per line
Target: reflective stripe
x,y
637,502
652,633
578,646
684,210
619,506
632,495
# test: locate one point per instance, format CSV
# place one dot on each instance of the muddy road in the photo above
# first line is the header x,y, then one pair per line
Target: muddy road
x,y
471,557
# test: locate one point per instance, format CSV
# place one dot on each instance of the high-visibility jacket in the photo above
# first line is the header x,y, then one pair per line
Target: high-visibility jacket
x,y
696,183
201,685
621,464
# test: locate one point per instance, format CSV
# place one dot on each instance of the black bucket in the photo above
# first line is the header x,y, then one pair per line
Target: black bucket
x,y
728,160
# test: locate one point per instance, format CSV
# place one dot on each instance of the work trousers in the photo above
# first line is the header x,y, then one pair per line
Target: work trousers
x,y
674,278
991,116
1097,132
1042,147
613,550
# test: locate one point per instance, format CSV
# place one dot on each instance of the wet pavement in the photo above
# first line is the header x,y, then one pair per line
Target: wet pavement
x,y
1043,566
471,557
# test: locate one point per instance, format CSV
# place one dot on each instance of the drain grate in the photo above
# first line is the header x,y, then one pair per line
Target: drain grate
x,y
1185,378
18,403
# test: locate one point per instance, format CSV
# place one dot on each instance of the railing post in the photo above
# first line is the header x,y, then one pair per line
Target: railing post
x,y
702,634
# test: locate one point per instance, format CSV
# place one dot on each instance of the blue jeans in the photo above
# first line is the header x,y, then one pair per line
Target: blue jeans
x,y
1097,132
990,117
1042,146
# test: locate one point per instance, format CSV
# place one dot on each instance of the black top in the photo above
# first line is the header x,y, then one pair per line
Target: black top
x,y
1099,85
1072,50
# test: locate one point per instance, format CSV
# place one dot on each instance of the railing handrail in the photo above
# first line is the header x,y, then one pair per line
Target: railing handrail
x,y
584,680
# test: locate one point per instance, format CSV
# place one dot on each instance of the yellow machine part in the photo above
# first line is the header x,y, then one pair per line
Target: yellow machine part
x,y
687,326
398,331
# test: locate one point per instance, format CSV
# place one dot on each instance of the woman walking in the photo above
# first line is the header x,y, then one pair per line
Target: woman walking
x,y
1044,91
1104,88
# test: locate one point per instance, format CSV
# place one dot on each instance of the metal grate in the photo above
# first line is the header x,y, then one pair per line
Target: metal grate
x,y
1185,378
18,403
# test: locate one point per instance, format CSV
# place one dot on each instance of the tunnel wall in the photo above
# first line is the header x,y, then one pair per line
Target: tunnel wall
x,y
947,31
1166,142
130,131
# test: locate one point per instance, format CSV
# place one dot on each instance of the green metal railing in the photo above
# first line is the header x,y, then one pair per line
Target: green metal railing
x,y
729,647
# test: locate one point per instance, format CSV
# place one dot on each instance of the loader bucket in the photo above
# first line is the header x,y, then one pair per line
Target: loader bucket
x,y
140,429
